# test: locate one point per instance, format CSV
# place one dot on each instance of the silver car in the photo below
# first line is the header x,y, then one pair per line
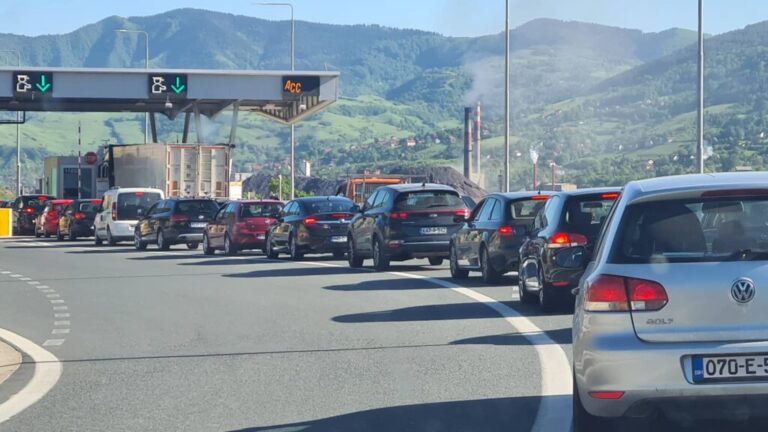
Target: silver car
x,y
672,313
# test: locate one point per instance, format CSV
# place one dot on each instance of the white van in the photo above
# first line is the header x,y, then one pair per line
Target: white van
x,y
120,210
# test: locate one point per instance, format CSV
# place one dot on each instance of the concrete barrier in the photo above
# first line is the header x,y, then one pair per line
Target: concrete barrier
x,y
6,222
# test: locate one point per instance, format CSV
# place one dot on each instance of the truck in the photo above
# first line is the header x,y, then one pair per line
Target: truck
x,y
359,187
180,170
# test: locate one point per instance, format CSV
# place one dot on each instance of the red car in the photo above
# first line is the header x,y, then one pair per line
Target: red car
x,y
240,225
47,223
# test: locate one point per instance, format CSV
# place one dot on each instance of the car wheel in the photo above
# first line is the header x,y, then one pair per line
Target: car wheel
x,y
380,258
72,236
193,245
583,421
110,240
137,243
490,275
97,241
37,233
270,251
296,255
456,271
162,242
207,249
352,258
435,261
525,295
546,296
229,248
46,234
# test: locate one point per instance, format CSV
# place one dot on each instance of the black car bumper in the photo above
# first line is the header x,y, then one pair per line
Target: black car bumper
x,y
82,229
323,244
182,235
401,250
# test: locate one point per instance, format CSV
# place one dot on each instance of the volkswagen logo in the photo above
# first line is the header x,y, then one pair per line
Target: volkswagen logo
x,y
743,290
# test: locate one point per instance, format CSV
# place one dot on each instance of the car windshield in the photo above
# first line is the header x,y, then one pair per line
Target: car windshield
x,y
260,210
328,206
423,200
526,210
36,202
586,215
87,207
196,208
693,231
129,203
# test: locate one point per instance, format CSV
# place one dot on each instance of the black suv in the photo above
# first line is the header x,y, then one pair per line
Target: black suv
x,y
26,209
401,222
566,228
490,240
174,221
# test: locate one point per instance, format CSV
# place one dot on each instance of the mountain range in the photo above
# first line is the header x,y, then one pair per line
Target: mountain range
x,y
579,90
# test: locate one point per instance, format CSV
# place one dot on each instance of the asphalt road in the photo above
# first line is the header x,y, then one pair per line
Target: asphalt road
x,y
181,341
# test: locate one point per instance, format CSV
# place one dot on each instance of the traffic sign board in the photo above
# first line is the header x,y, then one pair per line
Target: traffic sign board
x,y
91,158
32,84
296,86
171,86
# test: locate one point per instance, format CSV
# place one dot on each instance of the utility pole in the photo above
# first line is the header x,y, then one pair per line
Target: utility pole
x,y
506,98
700,110
79,161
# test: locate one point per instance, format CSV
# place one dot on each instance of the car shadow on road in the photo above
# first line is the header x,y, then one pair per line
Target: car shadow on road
x,y
561,336
56,245
386,285
297,272
227,261
439,312
168,255
483,415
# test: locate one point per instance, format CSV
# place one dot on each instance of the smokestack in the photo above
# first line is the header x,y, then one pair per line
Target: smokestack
x,y
478,138
467,142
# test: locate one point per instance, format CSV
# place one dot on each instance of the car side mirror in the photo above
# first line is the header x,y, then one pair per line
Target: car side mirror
x,y
356,209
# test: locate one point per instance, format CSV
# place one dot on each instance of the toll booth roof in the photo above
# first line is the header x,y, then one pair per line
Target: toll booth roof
x,y
285,96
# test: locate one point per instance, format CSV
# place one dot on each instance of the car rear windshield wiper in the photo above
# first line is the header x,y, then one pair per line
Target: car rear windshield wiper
x,y
750,255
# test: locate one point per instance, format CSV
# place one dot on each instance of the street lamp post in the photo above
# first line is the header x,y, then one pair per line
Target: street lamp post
x,y
293,67
18,130
700,85
146,66
506,97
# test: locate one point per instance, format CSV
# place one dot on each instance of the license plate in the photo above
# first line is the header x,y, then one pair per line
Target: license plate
x,y
198,224
339,239
434,230
730,368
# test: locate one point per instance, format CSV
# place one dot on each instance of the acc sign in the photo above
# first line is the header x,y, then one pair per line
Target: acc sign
x,y
296,86
32,84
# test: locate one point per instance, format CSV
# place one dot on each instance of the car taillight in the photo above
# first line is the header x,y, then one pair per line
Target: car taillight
x,y
178,218
29,210
52,214
399,215
309,221
607,293
610,196
539,197
463,213
79,216
565,240
114,211
607,395
506,231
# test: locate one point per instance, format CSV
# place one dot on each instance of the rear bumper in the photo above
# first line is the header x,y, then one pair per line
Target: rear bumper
x,y
322,244
399,249
660,377
256,240
122,230
83,229
176,236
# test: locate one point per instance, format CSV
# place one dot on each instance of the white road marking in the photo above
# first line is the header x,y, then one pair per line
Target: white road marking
x,y
5,272
61,315
48,291
33,283
60,307
15,275
42,286
61,323
54,342
57,301
25,279
554,412
60,331
53,295
47,373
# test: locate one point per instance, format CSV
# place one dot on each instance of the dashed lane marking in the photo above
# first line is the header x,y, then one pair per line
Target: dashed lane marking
x,y
61,323
54,342
60,331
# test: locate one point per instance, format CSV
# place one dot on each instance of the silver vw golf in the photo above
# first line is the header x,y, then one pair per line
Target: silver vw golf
x,y
672,312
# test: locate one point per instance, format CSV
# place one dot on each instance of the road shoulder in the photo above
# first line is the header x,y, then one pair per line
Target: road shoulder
x,y
10,360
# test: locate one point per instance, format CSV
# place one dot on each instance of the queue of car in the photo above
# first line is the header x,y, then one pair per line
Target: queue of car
x,y
666,274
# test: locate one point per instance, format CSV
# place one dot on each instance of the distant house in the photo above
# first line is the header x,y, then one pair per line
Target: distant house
x,y
410,142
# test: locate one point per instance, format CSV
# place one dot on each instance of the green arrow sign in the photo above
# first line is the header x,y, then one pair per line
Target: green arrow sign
x,y
42,85
178,87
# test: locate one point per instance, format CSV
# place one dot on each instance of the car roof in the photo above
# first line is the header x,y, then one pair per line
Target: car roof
x,y
60,201
130,190
258,201
587,191
189,199
513,196
415,187
683,184
322,198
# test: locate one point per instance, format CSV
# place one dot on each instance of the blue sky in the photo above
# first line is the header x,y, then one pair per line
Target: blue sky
x,y
450,17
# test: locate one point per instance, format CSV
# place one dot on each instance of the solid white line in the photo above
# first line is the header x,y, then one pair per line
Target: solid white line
x,y
554,412
47,373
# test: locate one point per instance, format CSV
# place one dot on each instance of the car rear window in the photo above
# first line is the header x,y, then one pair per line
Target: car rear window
x,y
423,200
87,207
702,230
36,202
260,210
197,208
329,206
586,215
526,210
129,203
